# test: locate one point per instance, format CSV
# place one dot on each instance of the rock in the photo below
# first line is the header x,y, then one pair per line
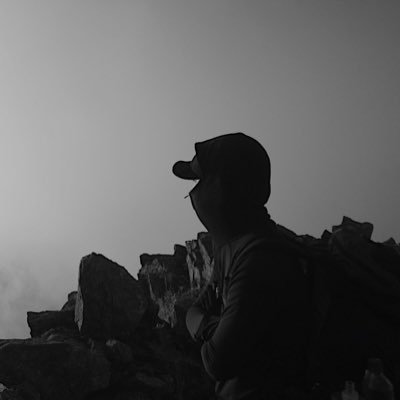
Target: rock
x,y
181,360
56,370
286,232
199,260
152,381
70,304
119,352
165,277
362,229
206,251
110,302
25,391
325,236
43,321
10,394
392,244
40,322
61,334
132,342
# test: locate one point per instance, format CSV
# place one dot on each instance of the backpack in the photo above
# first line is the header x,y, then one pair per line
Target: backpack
x,y
354,288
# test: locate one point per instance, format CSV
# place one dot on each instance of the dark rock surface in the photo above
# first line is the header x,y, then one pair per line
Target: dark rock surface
x,y
24,391
121,338
42,321
70,304
199,259
56,369
110,302
165,278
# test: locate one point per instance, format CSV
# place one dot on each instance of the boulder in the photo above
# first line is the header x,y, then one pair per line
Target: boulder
x,y
121,338
43,321
40,322
164,278
56,370
70,304
118,352
25,391
110,302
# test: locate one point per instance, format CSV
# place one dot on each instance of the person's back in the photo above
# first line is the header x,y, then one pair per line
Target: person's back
x,y
252,318
265,311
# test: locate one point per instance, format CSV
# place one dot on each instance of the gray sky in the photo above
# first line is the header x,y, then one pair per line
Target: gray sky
x,y
99,98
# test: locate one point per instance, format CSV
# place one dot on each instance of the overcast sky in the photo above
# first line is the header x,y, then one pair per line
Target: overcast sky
x,y
99,98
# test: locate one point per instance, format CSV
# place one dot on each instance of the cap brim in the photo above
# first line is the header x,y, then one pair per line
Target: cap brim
x,y
183,170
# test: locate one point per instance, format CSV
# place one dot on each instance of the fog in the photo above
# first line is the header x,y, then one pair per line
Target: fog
x,y
99,99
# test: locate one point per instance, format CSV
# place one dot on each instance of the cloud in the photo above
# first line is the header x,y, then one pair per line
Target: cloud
x,y
18,294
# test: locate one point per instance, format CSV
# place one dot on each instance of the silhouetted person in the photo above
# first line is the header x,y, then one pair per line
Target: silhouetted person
x,y
251,318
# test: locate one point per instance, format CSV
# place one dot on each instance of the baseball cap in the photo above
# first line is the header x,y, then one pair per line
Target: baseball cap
x,y
240,159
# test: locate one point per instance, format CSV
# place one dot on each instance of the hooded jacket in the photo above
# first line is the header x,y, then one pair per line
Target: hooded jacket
x,y
255,346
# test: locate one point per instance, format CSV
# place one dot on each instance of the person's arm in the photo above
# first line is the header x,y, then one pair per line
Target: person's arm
x,y
253,302
201,325
203,316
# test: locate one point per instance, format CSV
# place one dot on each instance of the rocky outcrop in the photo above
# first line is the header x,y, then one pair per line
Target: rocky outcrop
x,y
119,338
155,361
165,278
70,304
40,322
200,260
56,369
110,302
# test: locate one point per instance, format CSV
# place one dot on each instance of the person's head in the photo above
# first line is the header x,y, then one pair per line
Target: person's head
x,y
233,173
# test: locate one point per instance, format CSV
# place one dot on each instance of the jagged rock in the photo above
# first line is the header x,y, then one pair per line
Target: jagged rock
x,y
110,302
372,268
11,394
206,250
287,232
194,263
61,334
70,304
43,321
362,229
25,391
165,277
181,360
40,322
307,240
325,236
56,370
118,352
392,244
133,343
162,368
199,260
153,381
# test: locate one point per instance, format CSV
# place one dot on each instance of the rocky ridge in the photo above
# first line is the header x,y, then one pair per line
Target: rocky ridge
x,y
122,338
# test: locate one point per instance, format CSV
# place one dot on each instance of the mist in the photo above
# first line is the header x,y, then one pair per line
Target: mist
x,y
99,99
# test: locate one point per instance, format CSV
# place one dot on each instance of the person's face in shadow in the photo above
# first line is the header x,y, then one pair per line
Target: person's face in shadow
x,y
207,200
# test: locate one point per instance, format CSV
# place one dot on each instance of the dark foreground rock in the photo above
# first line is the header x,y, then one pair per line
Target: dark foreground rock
x,y
41,322
57,370
200,260
110,302
123,350
164,278
121,338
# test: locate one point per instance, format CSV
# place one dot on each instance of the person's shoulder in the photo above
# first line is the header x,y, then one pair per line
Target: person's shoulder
x,y
261,248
